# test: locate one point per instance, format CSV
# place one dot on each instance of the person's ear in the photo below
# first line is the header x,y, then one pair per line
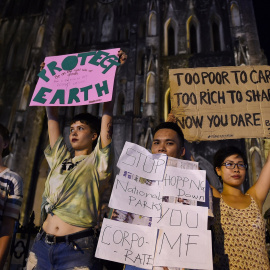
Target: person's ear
x,y
218,171
94,136
183,151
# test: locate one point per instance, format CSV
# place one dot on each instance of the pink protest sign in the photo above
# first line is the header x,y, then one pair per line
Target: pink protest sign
x,y
76,79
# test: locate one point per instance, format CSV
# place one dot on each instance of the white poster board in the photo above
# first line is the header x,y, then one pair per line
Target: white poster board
x,y
138,160
188,184
138,198
186,248
127,243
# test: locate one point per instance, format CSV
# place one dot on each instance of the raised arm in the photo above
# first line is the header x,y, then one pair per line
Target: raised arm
x,y
107,115
260,189
53,125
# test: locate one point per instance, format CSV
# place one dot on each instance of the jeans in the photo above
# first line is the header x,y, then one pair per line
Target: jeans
x,y
77,254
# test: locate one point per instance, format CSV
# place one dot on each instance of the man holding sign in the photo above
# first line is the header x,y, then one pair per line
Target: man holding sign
x,y
169,140
70,204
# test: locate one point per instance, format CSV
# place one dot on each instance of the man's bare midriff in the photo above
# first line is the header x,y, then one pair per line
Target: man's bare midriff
x,y
54,225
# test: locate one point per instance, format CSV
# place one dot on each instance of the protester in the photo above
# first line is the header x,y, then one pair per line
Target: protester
x,y
68,237
239,228
11,187
168,139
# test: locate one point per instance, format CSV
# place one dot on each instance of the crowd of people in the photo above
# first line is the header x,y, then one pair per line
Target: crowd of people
x,y
71,199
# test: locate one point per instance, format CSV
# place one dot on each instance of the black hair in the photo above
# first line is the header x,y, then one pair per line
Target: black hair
x,y
92,121
225,152
6,137
173,126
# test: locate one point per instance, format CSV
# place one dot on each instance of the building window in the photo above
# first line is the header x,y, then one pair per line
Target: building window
x,y
106,28
235,15
150,88
193,39
216,34
171,41
139,102
140,63
152,30
216,37
167,104
193,35
170,37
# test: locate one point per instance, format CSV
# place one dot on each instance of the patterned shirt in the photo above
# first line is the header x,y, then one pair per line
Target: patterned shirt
x,y
11,188
73,194
239,237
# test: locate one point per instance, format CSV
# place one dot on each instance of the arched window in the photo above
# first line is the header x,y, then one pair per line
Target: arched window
x,y
140,63
216,34
150,88
170,37
24,97
152,29
167,104
171,41
193,35
193,38
40,36
216,37
107,25
139,102
121,105
235,15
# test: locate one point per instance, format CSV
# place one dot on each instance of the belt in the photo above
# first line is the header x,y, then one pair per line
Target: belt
x,y
52,239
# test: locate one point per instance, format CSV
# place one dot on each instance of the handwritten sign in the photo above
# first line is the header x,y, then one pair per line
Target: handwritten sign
x,y
188,184
137,160
221,102
76,79
142,199
127,243
182,216
187,248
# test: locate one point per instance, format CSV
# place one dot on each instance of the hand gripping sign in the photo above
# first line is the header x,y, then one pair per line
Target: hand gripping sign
x,y
76,79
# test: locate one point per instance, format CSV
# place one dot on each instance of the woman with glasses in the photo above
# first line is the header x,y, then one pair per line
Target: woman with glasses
x,y
238,226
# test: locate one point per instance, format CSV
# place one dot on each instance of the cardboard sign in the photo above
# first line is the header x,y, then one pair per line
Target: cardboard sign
x,y
187,184
142,199
139,161
187,248
76,79
127,243
221,102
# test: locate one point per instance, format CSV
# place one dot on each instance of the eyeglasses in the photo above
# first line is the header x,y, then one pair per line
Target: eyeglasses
x,y
230,165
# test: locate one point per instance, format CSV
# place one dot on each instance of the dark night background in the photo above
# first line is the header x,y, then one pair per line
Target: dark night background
x,y
262,14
